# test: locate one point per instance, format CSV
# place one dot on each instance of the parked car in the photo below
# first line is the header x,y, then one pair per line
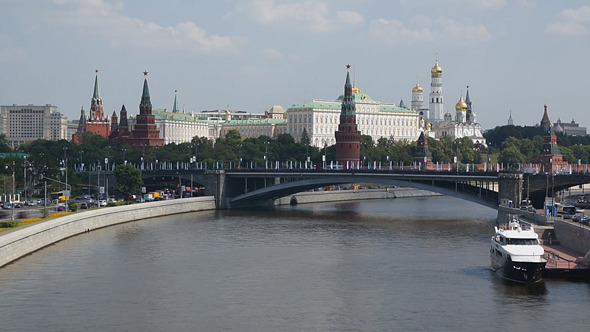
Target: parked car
x,y
102,202
83,205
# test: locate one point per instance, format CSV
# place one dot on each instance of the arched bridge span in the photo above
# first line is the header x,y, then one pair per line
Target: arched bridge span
x,y
471,187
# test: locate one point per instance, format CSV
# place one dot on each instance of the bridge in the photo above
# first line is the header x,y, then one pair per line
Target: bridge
x,y
247,187
235,188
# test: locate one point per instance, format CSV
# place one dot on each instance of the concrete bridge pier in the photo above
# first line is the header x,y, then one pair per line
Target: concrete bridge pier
x,y
510,186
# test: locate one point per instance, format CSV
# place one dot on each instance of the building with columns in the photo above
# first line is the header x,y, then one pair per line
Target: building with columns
x,y
320,118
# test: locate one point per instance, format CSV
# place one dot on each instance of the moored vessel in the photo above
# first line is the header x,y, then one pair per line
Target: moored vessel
x,y
516,254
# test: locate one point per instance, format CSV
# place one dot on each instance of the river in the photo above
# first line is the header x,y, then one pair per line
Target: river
x,y
379,265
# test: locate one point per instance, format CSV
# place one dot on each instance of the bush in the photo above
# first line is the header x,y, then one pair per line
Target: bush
x,y
72,206
9,223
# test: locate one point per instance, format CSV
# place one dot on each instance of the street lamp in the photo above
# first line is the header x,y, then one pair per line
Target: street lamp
x,y
13,190
266,154
67,194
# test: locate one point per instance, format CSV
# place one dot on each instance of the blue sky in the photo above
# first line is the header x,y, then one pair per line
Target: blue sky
x,y
515,55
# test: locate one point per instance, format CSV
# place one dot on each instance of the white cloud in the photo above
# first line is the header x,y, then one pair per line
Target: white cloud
x,y
423,30
563,28
571,22
307,14
492,4
99,18
527,3
8,51
482,4
395,31
271,54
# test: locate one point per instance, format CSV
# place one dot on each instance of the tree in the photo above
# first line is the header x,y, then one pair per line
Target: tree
x,y
305,137
511,156
4,146
129,180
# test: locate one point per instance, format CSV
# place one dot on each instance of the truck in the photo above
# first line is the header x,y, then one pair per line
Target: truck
x,y
155,195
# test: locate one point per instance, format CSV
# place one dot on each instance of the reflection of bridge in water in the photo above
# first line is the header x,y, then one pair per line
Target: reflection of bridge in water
x,y
248,187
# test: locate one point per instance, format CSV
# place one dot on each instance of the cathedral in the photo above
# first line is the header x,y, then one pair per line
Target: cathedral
x,y
437,125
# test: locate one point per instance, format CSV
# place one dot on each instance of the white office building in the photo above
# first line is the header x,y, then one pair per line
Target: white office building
x,y
21,124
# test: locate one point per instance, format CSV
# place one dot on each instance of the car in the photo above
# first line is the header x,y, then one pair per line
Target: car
x,y
61,208
7,206
102,202
83,205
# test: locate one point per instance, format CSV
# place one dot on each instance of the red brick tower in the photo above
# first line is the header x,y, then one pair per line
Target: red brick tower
x,y
145,132
97,123
348,137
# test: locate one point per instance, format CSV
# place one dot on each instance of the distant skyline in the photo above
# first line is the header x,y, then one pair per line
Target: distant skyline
x,y
514,55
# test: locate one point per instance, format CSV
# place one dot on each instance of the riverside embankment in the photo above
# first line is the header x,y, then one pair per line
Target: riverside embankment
x,y
353,195
27,239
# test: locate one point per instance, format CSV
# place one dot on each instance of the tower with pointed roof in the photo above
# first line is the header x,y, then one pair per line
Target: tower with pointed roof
x,y
175,106
470,116
348,137
145,133
423,156
436,93
510,121
96,122
550,156
545,122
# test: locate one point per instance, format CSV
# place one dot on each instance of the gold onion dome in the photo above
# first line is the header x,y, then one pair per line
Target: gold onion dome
x,y
355,89
461,105
417,88
436,69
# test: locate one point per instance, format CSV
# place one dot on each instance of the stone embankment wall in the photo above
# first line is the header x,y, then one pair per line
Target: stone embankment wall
x,y
352,195
573,235
25,240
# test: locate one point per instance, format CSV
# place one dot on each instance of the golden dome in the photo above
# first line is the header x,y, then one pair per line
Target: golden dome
x,y
355,89
461,105
417,88
436,69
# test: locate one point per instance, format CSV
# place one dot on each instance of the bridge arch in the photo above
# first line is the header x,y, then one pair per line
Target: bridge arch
x,y
473,194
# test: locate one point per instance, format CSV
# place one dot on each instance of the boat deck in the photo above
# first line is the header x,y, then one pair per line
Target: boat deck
x,y
561,263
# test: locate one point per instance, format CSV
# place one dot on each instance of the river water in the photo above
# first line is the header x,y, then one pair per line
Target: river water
x,y
380,265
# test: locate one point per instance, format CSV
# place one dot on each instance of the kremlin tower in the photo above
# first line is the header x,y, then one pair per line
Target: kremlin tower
x,y
348,137
436,94
96,122
545,123
145,132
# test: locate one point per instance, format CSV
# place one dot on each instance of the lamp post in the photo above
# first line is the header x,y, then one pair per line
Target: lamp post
x,y
13,190
266,154
66,170
552,188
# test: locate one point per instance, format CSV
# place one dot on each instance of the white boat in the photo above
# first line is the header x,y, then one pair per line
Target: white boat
x,y
516,254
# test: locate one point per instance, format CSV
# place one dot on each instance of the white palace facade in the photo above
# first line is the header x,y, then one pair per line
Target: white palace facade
x,y
320,119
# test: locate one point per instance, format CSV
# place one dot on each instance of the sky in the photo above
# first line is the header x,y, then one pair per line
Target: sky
x,y
515,56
